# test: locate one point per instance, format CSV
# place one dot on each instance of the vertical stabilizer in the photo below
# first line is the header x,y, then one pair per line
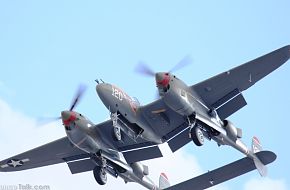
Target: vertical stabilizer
x,y
163,181
256,147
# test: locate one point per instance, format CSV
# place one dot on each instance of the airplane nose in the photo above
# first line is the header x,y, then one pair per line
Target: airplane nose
x,y
103,91
100,89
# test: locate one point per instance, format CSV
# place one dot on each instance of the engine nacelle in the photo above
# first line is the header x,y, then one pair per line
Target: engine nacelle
x,y
232,132
139,169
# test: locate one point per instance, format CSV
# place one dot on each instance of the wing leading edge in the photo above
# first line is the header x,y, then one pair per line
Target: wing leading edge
x,y
62,151
225,89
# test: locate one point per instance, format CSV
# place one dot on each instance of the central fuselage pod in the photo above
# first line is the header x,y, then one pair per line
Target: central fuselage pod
x,y
127,110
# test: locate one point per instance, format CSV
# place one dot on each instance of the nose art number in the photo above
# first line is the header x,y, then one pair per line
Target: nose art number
x,y
117,93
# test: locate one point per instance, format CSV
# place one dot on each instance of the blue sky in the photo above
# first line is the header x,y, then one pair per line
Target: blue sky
x,y
47,48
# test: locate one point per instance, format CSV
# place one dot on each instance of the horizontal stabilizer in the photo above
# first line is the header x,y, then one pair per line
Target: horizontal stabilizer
x,y
225,173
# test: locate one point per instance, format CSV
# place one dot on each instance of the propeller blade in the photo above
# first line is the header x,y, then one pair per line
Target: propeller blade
x,y
78,96
187,60
46,120
144,69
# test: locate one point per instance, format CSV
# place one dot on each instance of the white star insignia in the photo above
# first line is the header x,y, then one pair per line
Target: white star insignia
x,y
15,163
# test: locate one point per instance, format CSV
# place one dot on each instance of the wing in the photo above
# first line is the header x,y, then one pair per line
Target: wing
x,y
223,91
62,150
58,151
224,173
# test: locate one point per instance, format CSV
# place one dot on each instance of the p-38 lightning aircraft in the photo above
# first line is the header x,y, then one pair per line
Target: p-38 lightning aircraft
x,y
90,147
181,114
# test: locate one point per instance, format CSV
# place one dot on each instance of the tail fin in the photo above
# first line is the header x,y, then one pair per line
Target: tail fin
x,y
163,181
256,147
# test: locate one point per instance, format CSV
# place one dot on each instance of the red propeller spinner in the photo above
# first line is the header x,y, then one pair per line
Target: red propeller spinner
x,y
162,79
68,117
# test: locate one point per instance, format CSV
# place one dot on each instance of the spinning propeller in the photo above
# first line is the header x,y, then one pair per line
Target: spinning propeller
x,y
162,78
145,70
82,88
66,114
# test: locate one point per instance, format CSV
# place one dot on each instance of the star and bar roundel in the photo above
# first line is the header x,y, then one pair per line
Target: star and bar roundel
x,y
14,163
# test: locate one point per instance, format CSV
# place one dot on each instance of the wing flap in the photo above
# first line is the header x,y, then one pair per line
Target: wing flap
x,y
80,166
147,153
180,139
229,104
133,150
